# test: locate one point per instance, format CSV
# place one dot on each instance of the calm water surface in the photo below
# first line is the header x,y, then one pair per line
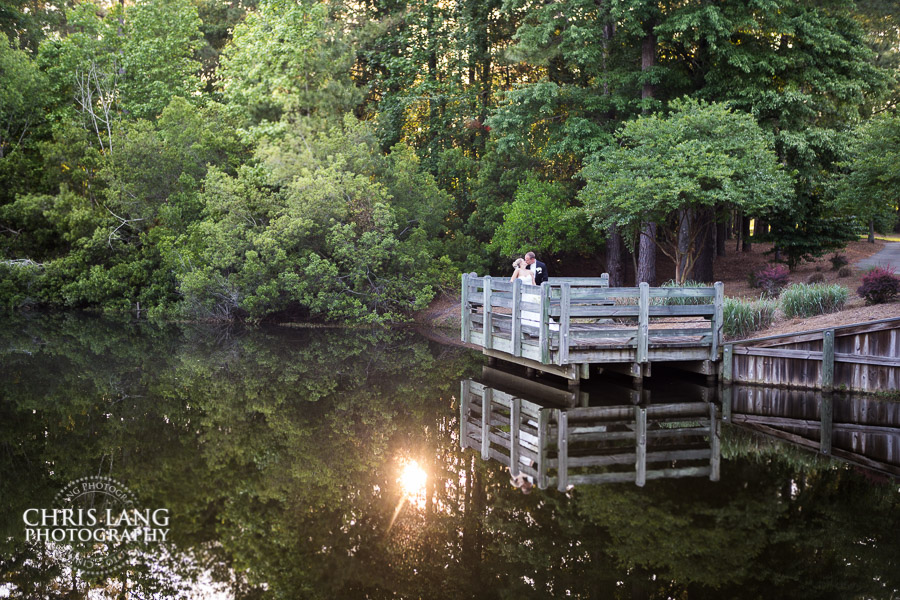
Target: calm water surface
x,y
326,463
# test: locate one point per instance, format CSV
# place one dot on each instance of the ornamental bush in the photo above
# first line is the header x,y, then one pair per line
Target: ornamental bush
x,y
804,300
743,317
879,285
771,279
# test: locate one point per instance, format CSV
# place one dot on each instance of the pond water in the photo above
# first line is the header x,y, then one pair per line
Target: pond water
x,y
327,463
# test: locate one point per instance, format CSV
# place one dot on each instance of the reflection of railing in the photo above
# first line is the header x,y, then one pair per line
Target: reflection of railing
x,y
589,444
579,321
863,431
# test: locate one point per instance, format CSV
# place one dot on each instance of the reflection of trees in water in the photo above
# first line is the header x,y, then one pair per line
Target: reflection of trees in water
x,y
277,453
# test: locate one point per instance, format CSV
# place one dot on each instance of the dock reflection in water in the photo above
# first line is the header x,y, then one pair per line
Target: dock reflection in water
x,y
616,433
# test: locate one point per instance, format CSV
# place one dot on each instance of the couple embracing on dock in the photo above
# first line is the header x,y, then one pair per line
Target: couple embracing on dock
x,y
530,270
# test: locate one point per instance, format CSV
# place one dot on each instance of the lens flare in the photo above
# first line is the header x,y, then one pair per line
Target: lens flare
x,y
412,479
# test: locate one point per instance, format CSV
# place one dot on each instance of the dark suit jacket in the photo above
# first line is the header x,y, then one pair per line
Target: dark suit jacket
x,y
540,272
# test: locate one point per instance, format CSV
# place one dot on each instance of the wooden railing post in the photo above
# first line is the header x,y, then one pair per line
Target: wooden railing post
x,y
643,336
516,331
544,337
488,314
466,311
828,360
718,321
565,302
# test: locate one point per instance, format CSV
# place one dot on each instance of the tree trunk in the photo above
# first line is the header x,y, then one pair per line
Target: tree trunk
x,y
685,217
746,244
722,223
703,268
615,258
871,231
647,256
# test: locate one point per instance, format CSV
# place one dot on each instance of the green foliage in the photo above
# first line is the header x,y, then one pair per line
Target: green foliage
x,y
541,219
700,156
805,300
743,317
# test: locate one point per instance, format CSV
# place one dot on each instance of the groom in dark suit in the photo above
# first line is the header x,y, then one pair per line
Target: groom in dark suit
x,y
537,267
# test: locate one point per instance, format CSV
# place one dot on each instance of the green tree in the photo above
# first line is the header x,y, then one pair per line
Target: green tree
x,y
870,188
663,168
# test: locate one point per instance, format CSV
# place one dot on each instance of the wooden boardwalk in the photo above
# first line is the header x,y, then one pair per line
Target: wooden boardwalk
x,y
574,445
863,357
567,324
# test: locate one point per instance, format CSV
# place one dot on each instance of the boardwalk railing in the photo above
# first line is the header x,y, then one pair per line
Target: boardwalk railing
x,y
559,447
862,357
582,320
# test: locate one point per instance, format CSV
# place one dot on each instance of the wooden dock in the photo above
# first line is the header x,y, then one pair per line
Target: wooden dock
x,y
574,445
863,357
568,324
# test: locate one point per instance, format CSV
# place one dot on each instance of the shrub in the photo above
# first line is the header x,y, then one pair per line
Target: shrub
x,y
683,301
879,285
838,261
771,279
845,272
816,278
804,300
743,317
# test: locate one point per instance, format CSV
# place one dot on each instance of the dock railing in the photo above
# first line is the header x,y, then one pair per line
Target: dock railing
x,y
561,321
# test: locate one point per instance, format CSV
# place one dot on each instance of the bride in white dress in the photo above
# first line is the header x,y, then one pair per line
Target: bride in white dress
x,y
527,276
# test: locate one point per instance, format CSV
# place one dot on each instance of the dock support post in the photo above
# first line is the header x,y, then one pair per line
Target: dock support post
x,y
516,331
488,315
828,360
562,446
643,334
487,399
640,450
727,393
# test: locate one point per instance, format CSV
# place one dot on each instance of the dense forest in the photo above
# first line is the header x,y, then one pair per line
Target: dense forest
x,y
273,159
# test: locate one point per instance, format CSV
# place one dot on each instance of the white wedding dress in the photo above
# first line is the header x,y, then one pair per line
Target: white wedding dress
x,y
530,317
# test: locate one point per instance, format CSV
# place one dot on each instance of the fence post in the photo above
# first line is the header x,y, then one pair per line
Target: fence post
x,y
565,301
643,337
488,315
544,337
728,363
826,416
828,360
464,306
717,320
